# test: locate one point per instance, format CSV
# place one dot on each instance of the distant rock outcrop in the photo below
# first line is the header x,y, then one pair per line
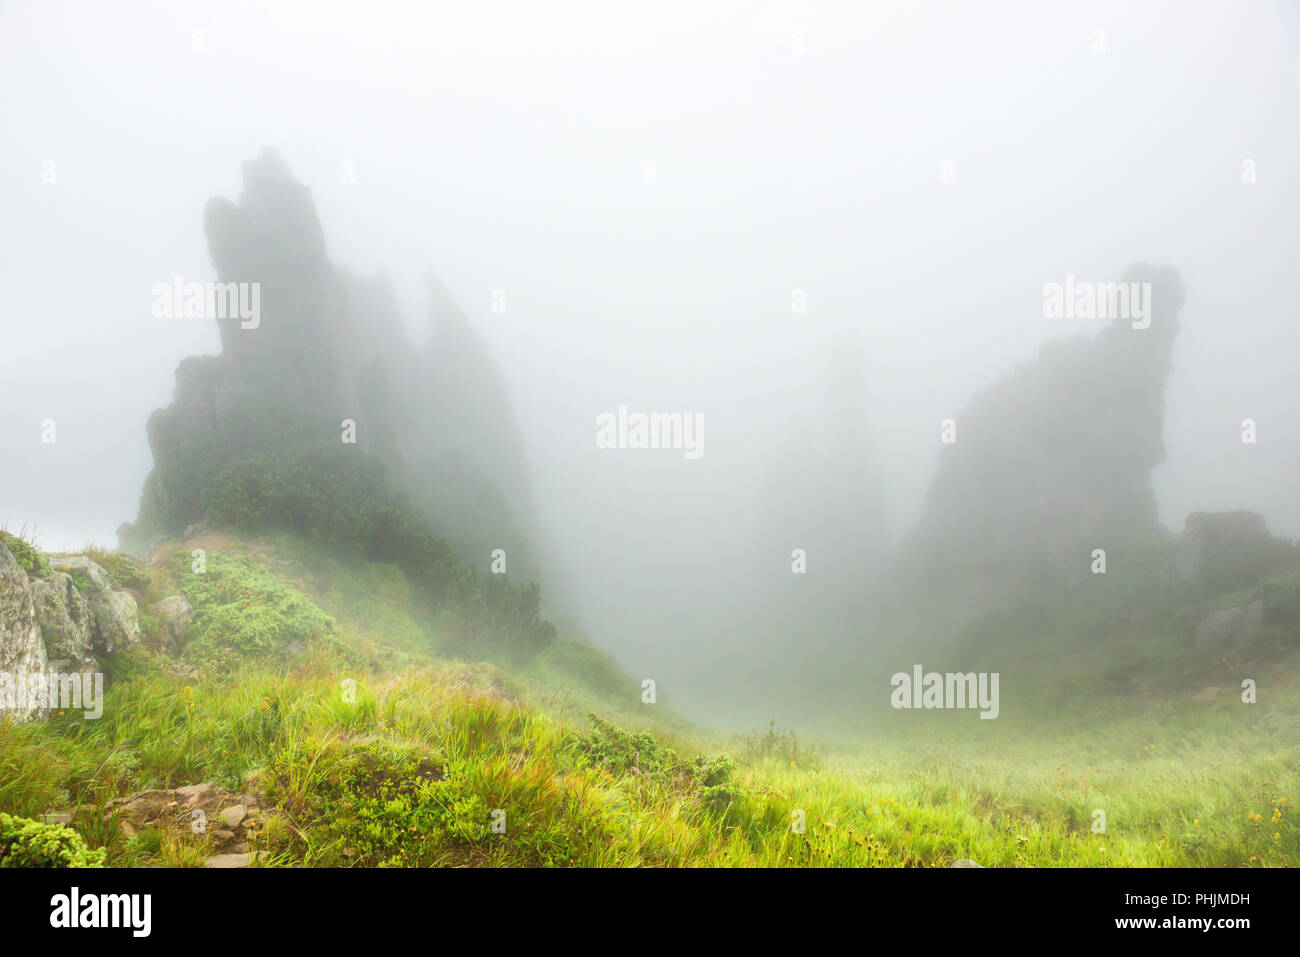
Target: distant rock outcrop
x,y
1049,463
465,456
327,347
294,371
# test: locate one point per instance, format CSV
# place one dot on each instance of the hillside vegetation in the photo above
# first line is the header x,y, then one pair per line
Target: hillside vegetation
x,y
318,684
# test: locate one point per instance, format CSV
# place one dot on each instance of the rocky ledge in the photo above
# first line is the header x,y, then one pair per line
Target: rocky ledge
x,y
56,615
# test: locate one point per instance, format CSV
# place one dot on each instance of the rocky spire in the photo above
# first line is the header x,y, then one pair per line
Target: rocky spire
x,y
329,346
1049,463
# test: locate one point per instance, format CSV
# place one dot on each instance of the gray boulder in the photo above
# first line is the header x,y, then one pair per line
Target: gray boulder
x,y
1240,625
57,623
66,619
1218,627
117,618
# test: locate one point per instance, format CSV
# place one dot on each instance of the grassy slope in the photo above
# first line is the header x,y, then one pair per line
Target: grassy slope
x,y
410,771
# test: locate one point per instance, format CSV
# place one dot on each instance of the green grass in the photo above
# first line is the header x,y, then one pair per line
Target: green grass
x,y
243,614
378,749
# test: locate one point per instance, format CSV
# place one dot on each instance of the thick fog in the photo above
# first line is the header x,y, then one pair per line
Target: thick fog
x,y
714,209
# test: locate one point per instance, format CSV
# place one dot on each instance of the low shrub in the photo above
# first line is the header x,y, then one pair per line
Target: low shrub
x,y
28,843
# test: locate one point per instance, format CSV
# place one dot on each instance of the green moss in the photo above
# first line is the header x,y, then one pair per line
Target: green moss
x,y
25,553
123,570
28,843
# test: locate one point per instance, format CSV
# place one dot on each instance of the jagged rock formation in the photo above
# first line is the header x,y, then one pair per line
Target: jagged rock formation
x,y
58,619
295,374
329,347
467,463
1049,463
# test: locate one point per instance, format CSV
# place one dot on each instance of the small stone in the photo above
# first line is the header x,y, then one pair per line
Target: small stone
x,y
966,862
192,794
229,860
234,815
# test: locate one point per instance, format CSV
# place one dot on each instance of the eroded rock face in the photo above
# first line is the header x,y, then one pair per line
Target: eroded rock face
x,y
22,652
116,615
57,623
68,623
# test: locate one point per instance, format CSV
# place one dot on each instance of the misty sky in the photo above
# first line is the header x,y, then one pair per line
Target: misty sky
x,y
648,186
